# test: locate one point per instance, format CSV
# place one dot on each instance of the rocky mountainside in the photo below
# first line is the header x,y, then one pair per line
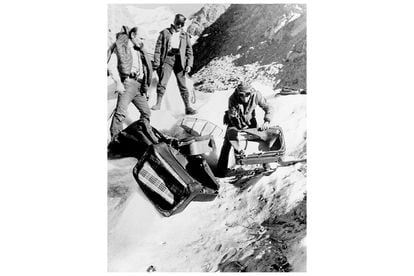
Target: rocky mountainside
x,y
255,225
154,20
206,16
256,34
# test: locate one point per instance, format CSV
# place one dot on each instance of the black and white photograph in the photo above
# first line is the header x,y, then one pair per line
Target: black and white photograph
x,y
225,136
207,159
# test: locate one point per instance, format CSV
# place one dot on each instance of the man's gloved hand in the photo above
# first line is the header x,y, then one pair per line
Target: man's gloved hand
x,y
145,94
120,88
265,126
144,91
187,69
241,136
155,65
172,142
175,143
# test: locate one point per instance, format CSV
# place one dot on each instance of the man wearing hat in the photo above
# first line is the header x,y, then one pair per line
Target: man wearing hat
x,y
173,52
241,115
132,73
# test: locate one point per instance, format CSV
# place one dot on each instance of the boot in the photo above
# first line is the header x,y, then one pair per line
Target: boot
x,y
188,109
157,106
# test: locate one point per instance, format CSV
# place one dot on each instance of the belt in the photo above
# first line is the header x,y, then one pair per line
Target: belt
x,y
173,52
134,76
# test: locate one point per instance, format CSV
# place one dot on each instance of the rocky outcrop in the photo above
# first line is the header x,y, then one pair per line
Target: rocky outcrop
x,y
266,34
206,16
223,74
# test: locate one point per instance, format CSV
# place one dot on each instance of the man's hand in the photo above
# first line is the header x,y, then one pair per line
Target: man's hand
x,y
146,95
241,136
155,65
187,69
119,88
265,126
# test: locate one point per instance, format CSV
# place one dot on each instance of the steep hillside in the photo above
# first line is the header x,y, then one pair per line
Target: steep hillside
x,y
257,225
259,33
206,16
154,20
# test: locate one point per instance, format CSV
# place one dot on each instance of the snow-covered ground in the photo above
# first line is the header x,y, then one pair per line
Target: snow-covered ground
x,y
199,237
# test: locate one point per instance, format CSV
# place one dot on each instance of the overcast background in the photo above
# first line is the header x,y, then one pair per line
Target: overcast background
x,y
185,9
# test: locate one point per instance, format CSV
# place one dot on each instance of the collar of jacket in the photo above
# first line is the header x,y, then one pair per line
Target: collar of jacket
x,y
171,29
238,100
132,46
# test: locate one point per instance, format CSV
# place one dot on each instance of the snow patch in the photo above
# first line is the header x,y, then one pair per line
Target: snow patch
x,y
196,239
294,16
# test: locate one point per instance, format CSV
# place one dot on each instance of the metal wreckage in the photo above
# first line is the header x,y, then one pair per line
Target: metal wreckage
x,y
173,172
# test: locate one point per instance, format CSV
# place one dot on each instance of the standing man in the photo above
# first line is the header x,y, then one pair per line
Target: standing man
x,y
173,52
241,115
132,72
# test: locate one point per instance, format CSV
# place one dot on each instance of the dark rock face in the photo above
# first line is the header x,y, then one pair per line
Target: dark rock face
x,y
206,16
263,33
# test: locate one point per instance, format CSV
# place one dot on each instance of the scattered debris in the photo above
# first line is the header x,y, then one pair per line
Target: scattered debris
x,y
222,74
151,268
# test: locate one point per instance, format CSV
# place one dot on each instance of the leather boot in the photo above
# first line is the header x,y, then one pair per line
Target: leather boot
x,y
188,109
157,106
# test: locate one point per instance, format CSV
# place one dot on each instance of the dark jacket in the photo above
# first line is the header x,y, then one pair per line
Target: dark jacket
x,y
162,46
146,62
242,115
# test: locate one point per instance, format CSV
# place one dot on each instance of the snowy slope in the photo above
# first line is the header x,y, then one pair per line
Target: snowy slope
x,y
206,235
199,237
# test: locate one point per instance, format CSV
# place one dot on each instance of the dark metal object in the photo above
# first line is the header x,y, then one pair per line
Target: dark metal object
x,y
291,91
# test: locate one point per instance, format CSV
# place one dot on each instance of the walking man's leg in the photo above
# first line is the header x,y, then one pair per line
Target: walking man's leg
x,y
121,108
141,104
164,74
185,95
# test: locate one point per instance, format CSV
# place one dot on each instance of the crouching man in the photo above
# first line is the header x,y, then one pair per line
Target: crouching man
x,y
131,70
241,115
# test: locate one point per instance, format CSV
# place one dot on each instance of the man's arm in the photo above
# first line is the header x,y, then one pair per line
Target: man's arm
x,y
189,52
146,70
157,52
110,51
233,114
113,72
144,89
268,109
